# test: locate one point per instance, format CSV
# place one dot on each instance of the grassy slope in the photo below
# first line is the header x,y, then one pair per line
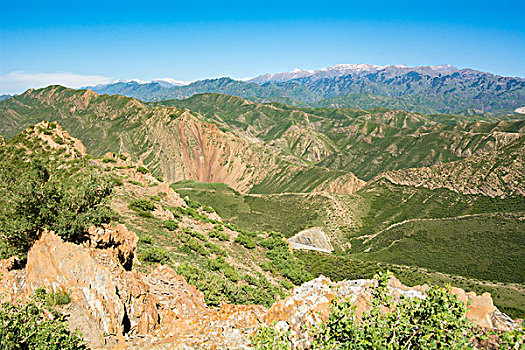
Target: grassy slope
x,y
286,213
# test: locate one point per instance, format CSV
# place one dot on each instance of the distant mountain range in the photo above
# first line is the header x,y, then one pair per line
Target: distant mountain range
x,y
425,89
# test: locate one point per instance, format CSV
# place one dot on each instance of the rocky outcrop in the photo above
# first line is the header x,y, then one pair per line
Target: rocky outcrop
x,y
311,239
115,300
56,137
117,240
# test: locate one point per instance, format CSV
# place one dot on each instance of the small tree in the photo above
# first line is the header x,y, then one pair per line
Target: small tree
x,y
35,197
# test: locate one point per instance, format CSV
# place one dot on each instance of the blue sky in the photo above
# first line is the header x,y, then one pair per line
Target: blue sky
x,y
80,43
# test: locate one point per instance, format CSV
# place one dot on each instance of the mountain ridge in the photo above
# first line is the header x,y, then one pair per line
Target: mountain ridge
x,y
428,89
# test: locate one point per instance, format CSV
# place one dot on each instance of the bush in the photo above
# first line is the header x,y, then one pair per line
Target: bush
x,y
142,170
220,265
141,205
154,255
246,241
436,322
208,209
34,197
171,225
53,298
281,257
146,239
191,203
221,236
28,326
195,234
215,249
194,245
269,338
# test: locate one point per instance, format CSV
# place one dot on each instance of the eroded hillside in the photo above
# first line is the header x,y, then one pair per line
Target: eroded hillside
x,y
365,143
173,143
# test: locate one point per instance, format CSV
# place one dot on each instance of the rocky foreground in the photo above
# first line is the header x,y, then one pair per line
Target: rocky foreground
x,y
114,306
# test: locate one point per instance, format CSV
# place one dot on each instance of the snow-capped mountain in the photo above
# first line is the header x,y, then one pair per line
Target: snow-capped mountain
x,y
164,82
347,69
426,89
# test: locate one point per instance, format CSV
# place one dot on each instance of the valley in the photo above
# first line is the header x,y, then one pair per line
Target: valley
x,y
214,185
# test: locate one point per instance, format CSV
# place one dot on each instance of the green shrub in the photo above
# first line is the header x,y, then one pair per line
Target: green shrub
x,y
117,181
208,209
108,160
246,241
283,260
159,178
154,198
59,140
27,326
146,239
215,249
53,298
171,225
142,170
195,234
220,265
194,245
141,205
436,322
35,197
154,255
270,338
136,183
287,284
191,203
221,236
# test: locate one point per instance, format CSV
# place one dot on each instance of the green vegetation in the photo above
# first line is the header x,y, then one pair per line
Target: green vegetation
x,y
154,255
171,225
143,207
37,195
217,289
142,170
436,322
285,262
33,325
469,235
246,241
288,214
270,338
484,247
54,298
508,298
